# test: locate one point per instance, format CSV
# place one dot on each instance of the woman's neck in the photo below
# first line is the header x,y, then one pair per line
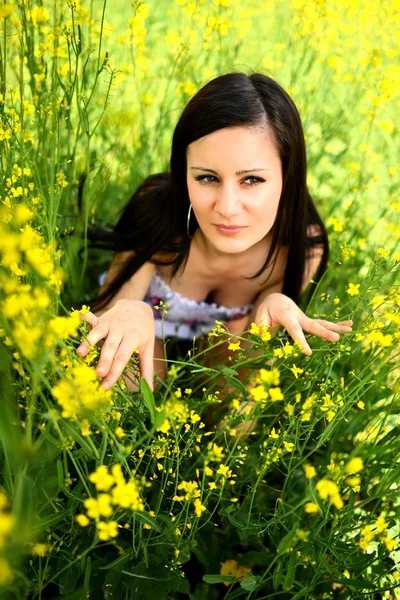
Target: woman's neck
x,y
251,259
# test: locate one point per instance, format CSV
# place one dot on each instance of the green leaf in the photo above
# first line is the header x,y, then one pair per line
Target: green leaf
x,y
358,584
228,371
287,540
219,578
250,583
289,577
145,518
148,397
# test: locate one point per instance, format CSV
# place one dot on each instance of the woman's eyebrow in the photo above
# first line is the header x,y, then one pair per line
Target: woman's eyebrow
x,y
237,172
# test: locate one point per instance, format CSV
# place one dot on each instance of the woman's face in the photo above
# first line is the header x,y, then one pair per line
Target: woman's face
x,y
222,193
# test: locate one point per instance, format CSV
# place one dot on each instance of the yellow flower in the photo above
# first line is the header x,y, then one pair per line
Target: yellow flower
x,y
98,507
302,534
39,15
361,405
383,253
288,446
296,371
224,470
7,522
276,394
198,507
311,508
82,520
165,427
327,488
119,432
215,453
355,465
234,346
5,12
6,574
102,479
353,290
231,567
309,471
261,331
273,434
259,393
107,530
40,549
381,524
390,543
337,501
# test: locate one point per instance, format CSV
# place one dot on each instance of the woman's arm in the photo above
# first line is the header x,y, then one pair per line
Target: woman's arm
x,y
133,289
125,324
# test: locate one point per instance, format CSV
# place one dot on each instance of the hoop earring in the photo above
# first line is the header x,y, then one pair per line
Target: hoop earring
x,y
187,224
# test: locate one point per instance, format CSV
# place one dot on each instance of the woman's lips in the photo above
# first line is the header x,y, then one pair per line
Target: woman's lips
x,y
228,230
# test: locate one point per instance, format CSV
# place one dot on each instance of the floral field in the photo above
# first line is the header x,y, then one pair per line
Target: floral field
x,y
131,496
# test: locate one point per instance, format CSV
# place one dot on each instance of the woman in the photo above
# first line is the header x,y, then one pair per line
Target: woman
x,y
230,233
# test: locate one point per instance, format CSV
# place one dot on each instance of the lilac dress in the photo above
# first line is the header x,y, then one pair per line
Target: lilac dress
x,y
185,318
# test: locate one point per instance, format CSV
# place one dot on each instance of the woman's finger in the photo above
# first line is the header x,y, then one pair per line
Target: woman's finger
x,y
296,333
108,352
121,359
311,326
146,362
90,318
95,335
93,321
340,326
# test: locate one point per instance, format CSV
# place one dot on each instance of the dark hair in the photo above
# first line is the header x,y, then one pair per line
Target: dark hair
x,y
154,222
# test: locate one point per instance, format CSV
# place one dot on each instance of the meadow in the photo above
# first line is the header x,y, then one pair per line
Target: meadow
x,y
111,494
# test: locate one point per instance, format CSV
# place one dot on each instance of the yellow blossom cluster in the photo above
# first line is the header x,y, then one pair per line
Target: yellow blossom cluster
x,y
262,331
23,252
7,523
232,567
329,404
377,531
117,493
192,494
260,386
177,413
80,392
328,489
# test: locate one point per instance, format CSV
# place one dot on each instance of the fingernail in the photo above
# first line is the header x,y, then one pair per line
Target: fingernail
x,y
105,385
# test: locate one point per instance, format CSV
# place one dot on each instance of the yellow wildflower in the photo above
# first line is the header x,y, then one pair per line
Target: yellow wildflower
x,y
311,507
309,471
355,465
296,371
107,530
82,520
234,346
353,290
40,549
231,567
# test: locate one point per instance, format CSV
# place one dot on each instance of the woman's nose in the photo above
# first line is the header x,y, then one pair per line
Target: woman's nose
x,y
228,203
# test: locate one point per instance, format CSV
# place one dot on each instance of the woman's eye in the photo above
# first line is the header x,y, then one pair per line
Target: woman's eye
x,y
256,179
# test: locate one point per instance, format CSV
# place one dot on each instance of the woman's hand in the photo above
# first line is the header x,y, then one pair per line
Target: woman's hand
x,y
278,309
126,327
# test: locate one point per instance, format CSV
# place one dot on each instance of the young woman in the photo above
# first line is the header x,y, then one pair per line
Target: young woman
x,y
230,233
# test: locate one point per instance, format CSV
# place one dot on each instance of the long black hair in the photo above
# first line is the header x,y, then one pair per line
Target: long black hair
x,y
154,221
